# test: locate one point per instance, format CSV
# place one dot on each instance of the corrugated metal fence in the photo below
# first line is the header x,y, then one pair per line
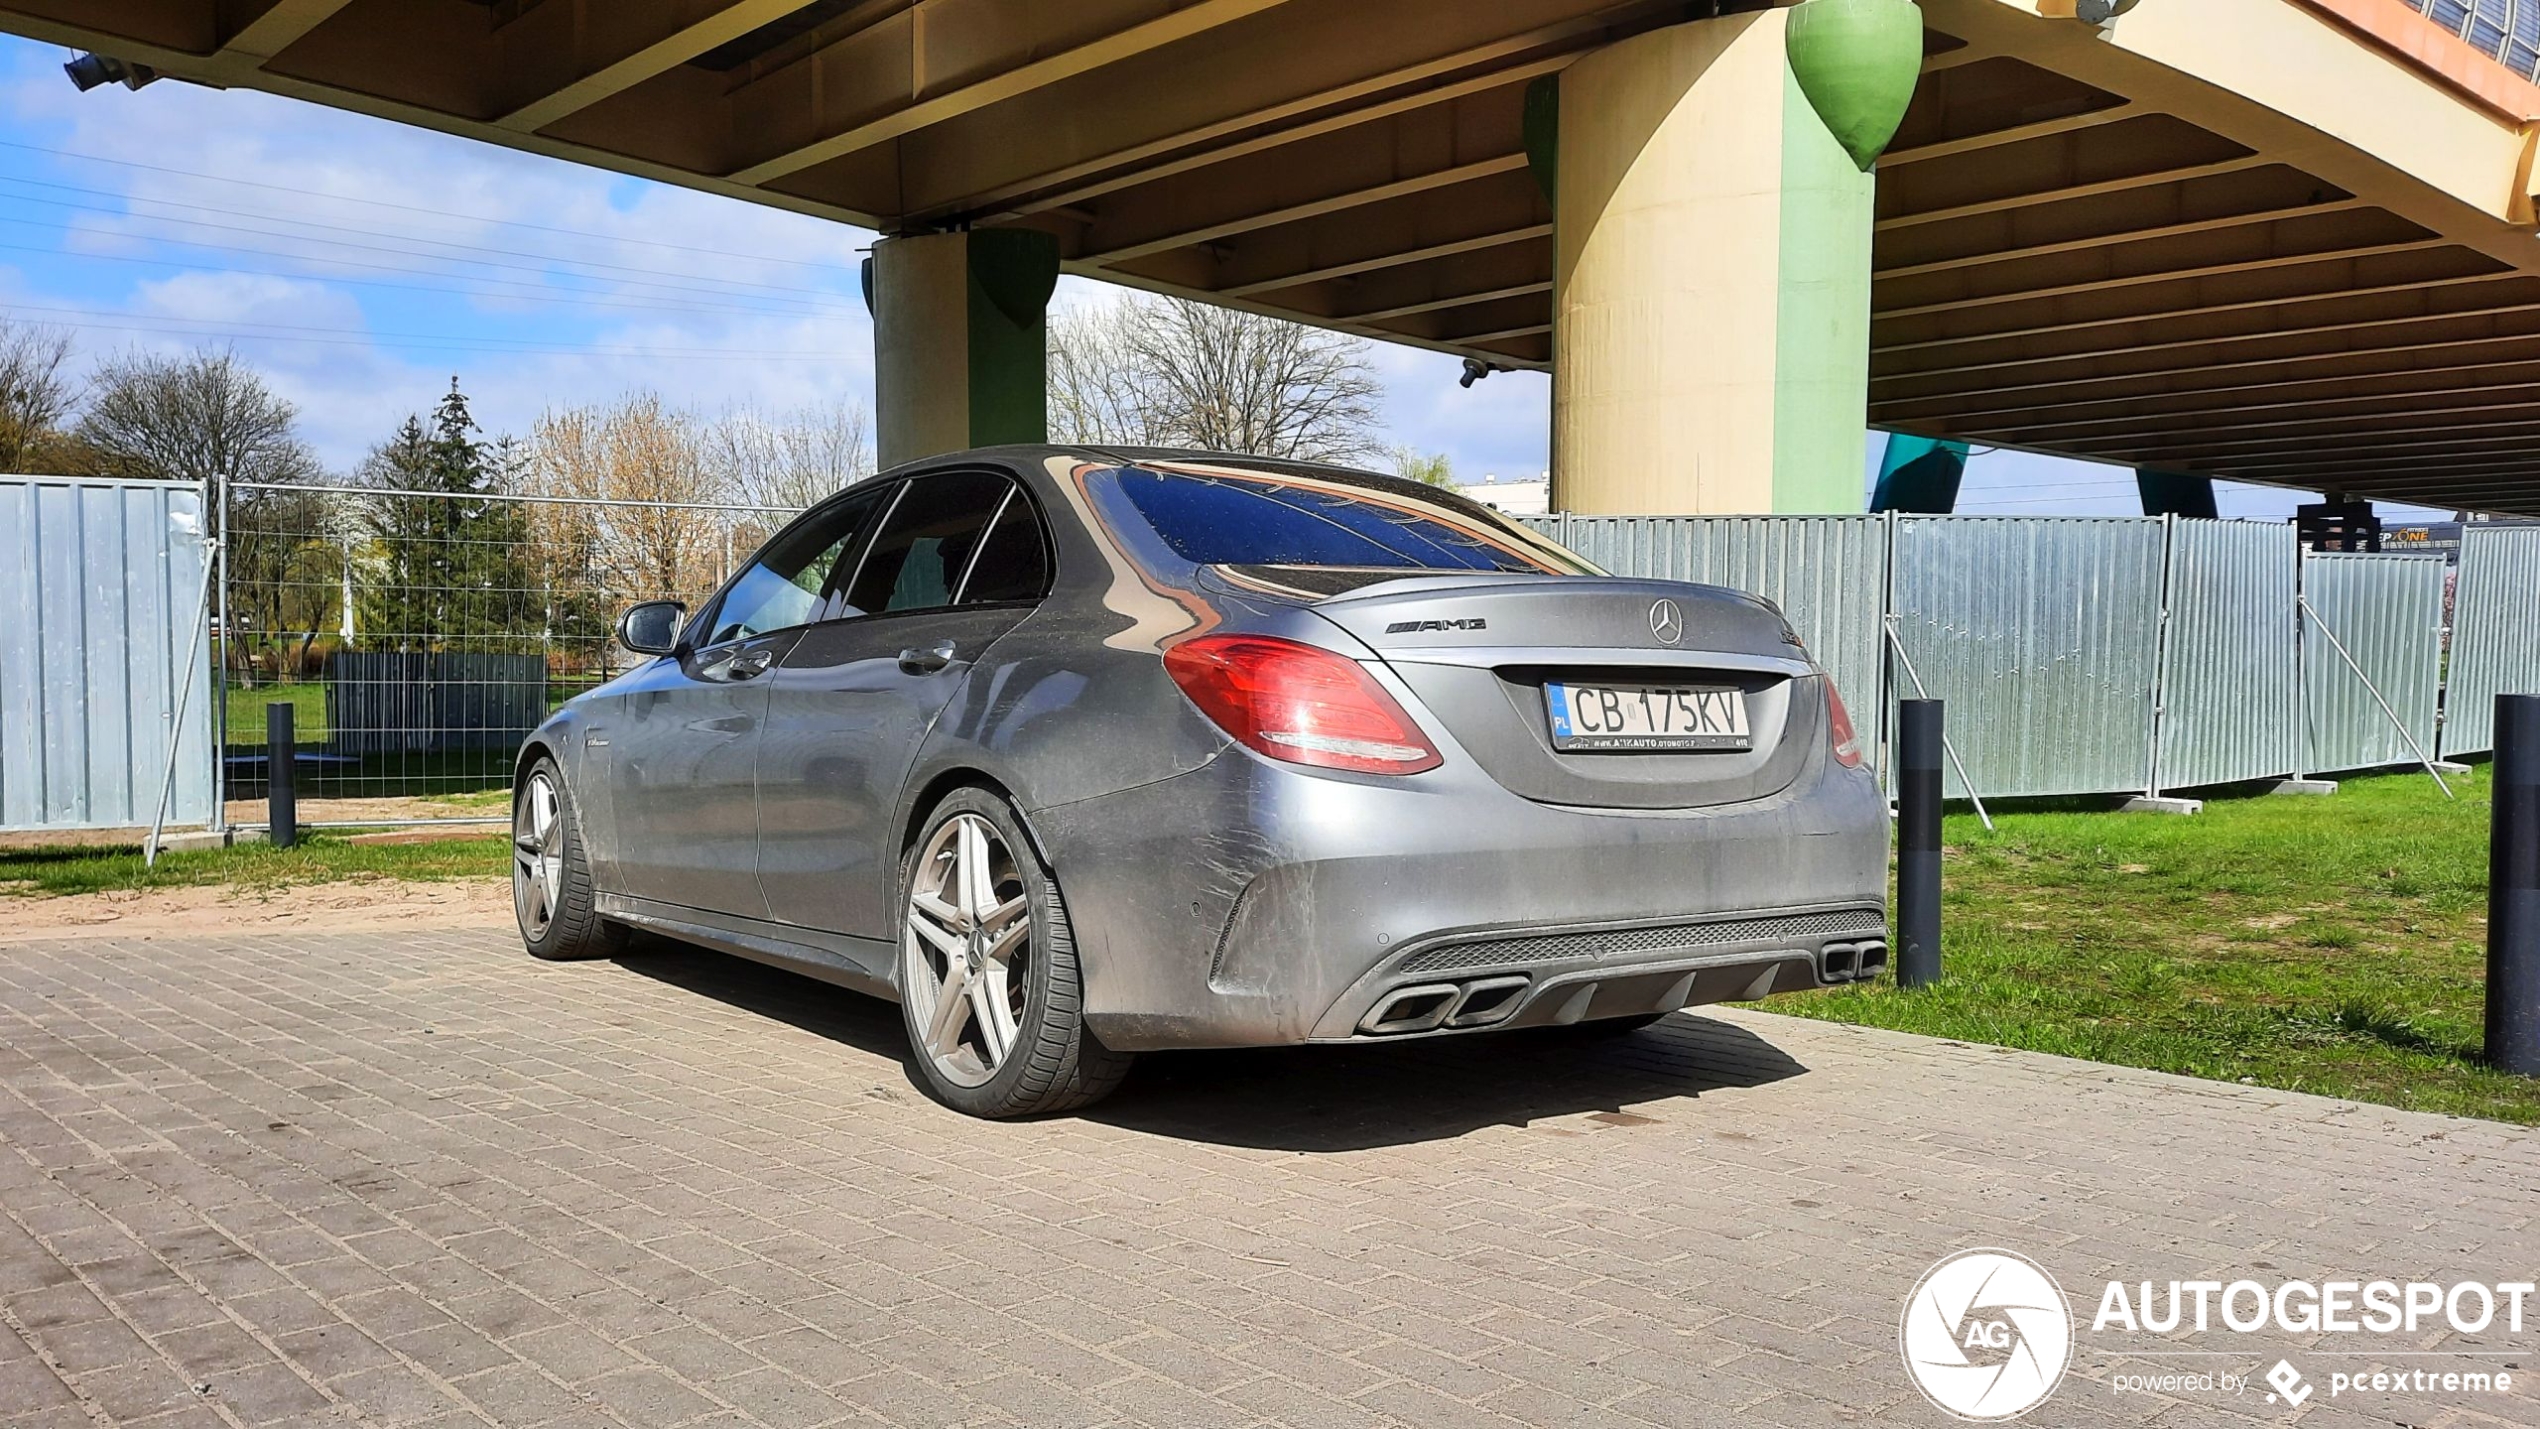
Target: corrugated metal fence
x,y
2495,633
102,585
2230,680
2043,635
2084,655
2385,614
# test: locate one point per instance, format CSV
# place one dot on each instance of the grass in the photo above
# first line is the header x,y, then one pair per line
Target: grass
x,y
307,699
2335,946
55,872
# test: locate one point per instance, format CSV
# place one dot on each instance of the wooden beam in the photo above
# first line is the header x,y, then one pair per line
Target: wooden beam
x,y
2159,315
2140,280
278,29
1501,335
1358,198
2464,378
2202,369
2273,335
677,48
1262,143
2017,133
2131,235
2231,420
2075,191
1442,304
1181,24
1390,260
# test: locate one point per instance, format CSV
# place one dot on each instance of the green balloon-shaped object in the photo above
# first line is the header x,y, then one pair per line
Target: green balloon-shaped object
x,y
1857,61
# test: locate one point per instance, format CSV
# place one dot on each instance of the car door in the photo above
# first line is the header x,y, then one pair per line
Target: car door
x,y
686,735
960,559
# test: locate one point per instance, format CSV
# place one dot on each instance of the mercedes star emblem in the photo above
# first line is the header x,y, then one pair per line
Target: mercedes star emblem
x,y
1667,622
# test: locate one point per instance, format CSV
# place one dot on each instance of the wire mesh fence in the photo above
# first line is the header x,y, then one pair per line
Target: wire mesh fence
x,y
418,636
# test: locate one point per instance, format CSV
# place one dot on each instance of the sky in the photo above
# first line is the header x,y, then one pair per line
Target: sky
x,y
361,264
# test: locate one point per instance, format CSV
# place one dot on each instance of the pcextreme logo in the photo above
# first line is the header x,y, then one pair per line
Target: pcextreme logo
x,y
1986,1335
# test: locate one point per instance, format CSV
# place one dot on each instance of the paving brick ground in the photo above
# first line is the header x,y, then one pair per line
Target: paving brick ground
x,y
420,1179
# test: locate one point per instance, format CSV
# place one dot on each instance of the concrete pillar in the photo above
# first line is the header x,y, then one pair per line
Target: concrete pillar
x,y
959,347
1712,270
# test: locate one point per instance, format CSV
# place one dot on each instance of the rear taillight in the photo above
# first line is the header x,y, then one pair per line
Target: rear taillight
x,y
1299,704
1847,745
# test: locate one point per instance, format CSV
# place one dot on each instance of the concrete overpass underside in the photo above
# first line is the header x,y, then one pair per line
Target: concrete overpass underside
x,y
2284,241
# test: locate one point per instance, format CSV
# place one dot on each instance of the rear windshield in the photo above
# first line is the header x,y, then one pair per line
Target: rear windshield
x,y
1327,519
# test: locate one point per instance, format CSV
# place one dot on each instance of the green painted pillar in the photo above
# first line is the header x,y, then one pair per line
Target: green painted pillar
x,y
1920,474
1713,211
2170,493
960,352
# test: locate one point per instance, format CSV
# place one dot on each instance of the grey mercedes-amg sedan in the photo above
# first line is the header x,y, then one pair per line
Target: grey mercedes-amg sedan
x,y
1079,752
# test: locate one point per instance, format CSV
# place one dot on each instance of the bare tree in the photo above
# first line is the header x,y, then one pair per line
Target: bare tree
x,y
1171,372
632,450
789,461
204,416
1099,394
35,394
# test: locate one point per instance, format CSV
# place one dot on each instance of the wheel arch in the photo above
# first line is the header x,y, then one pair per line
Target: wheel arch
x,y
940,785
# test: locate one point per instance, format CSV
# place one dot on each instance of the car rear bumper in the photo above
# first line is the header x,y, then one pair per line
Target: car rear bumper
x,y
1250,904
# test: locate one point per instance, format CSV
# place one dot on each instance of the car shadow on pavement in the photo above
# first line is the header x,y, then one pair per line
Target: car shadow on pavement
x,y
1358,1097
1331,1098
867,1024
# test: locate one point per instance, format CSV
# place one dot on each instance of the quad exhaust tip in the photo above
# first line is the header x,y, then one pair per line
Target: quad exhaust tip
x,y
1432,1005
1854,962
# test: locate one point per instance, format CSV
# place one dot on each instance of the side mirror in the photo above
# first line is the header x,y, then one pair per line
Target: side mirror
x,y
651,628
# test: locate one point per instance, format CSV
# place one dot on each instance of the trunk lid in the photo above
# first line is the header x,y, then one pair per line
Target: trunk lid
x,y
1480,650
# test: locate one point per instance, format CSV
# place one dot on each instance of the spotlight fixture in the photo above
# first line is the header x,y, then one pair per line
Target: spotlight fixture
x,y
1475,370
89,70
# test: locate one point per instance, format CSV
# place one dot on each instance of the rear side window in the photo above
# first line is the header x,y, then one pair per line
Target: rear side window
x,y
1268,521
917,559
1013,562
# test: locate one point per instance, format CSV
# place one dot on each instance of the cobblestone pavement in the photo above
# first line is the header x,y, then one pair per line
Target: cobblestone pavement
x,y
420,1179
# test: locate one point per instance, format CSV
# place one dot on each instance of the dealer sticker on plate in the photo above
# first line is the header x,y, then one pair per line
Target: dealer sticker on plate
x,y
1647,717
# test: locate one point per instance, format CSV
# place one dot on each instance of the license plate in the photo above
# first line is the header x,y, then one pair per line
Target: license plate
x,y
1647,717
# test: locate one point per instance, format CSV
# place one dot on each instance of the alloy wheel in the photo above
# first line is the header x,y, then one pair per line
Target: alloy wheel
x,y
537,855
967,947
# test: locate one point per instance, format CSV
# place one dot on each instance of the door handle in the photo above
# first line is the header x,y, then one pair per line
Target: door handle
x,y
751,663
927,661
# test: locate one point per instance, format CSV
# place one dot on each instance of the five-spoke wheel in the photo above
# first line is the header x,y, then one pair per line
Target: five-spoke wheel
x,y
551,884
969,938
537,853
989,985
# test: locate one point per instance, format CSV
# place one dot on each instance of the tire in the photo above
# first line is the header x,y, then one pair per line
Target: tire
x,y
551,881
990,990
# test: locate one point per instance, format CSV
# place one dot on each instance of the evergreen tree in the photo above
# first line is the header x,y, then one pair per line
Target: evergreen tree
x,y
449,554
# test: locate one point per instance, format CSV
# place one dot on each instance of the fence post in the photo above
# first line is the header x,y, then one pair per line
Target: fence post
x,y
2513,890
282,803
1918,842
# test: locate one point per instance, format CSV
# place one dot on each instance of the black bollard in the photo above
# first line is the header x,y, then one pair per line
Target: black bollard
x,y
1918,755
282,801
2513,891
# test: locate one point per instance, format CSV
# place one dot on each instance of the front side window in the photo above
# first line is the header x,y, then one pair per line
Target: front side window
x,y
789,582
917,559
1330,519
